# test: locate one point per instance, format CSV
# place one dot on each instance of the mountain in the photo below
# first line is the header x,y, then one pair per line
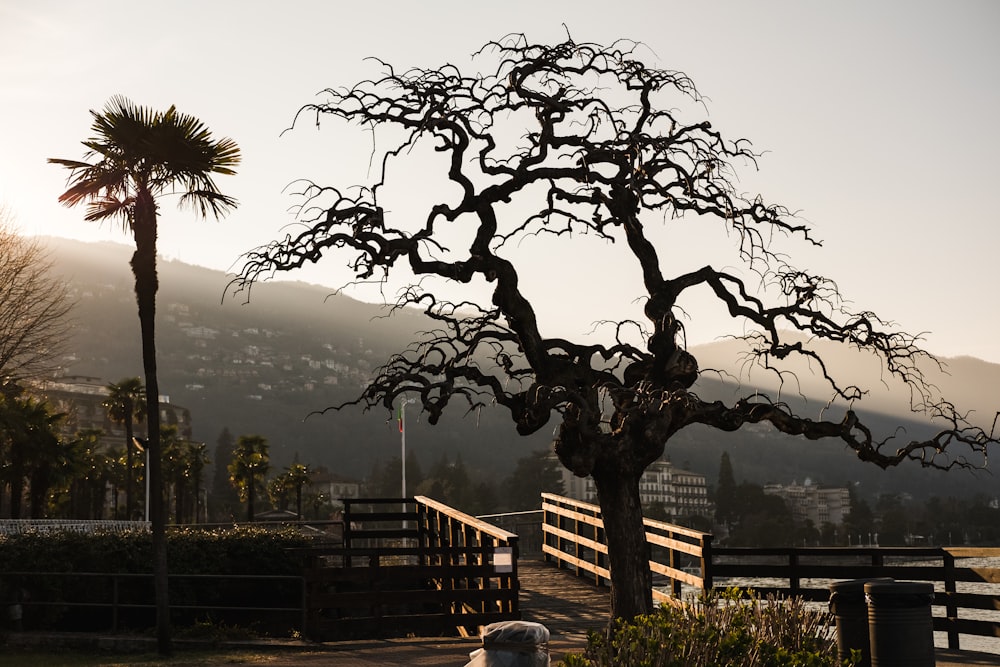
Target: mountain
x,y
267,364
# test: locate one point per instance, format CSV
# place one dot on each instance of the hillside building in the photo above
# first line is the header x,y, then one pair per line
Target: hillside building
x,y
681,493
335,487
808,501
82,399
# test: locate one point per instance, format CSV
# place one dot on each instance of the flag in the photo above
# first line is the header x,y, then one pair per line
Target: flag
x,y
399,417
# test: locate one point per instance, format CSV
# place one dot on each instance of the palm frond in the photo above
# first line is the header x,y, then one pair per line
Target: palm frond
x,y
135,149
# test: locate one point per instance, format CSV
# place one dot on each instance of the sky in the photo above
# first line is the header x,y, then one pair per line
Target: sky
x,y
877,122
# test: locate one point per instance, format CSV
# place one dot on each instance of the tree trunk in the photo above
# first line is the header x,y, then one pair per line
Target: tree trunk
x,y
16,493
628,551
250,499
146,285
179,499
38,490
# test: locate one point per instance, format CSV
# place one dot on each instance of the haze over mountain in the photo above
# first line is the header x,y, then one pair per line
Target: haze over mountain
x,y
265,365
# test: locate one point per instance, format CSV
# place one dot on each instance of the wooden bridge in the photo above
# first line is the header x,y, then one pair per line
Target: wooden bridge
x,y
499,568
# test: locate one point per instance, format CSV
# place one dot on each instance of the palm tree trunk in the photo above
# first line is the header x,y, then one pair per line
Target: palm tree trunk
x,y
197,497
146,285
179,499
250,498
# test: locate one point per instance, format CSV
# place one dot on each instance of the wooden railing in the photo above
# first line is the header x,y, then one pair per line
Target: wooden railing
x,y
807,572
574,538
410,565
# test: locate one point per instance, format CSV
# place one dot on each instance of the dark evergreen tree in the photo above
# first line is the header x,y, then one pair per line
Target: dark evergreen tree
x,y
726,501
859,523
534,474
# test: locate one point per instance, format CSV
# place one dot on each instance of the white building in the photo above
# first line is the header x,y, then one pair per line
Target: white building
x,y
681,492
808,501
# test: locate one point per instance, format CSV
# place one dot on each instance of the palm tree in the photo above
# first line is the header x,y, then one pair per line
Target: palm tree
x,y
175,467
31,429
251,461
278,490
197,458
26,425
126,405
297,476
135,156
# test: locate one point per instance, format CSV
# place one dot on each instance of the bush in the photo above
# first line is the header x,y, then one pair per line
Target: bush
x,y
729,629
242,551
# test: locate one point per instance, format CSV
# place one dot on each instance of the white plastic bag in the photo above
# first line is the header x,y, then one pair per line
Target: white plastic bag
x,y
512,644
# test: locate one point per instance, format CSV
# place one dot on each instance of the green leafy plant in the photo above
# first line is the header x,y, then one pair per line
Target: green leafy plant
x,y
732,628
105,564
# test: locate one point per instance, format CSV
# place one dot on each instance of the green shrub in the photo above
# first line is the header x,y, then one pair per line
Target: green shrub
x,y
243,550
729,629
26,558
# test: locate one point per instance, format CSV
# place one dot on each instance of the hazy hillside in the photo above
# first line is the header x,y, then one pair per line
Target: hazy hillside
x,y
263,366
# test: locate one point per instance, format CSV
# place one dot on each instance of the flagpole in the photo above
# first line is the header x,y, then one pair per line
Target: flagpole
x,y
402,444
402,438
402,449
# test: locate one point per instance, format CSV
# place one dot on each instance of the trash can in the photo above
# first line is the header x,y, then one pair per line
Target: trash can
x,y
849,609
512,644
900,624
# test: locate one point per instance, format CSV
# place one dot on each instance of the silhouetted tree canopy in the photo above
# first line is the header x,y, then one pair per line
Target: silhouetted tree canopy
x,y
582,140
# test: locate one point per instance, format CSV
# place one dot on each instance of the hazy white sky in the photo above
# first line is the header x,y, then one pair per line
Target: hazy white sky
x,y
879,122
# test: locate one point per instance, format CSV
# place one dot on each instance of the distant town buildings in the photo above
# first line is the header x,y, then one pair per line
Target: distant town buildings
x,y
808,501
335,487
681,493
82,399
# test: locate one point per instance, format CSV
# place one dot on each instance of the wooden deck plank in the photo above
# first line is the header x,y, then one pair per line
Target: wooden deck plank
x,y
561,601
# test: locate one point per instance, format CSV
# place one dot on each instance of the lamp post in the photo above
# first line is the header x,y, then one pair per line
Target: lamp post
x,y
140,444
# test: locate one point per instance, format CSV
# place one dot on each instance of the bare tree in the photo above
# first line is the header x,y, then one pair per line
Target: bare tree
x,y
584,140
34,307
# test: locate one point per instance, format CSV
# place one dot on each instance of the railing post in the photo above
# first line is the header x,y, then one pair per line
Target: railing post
x,y
545,536
514,582
305,607
577,547
951,609
564,525
114,603
706,564
602,559
598,554
347,536
793,572
675,562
